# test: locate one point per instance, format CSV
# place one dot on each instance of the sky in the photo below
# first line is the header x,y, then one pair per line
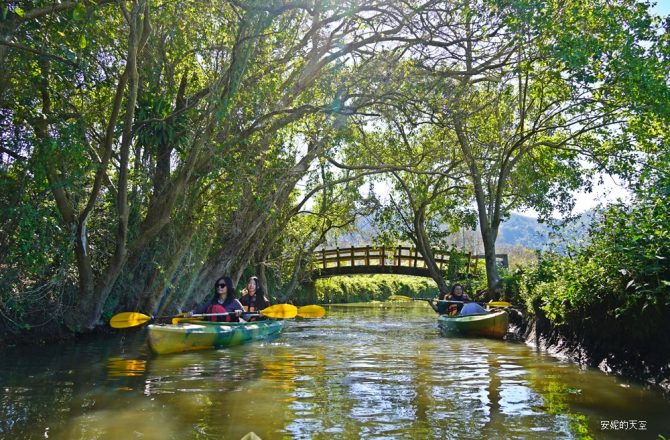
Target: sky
x,y
662,7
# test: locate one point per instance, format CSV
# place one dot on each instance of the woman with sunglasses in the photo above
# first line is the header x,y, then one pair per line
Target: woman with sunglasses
x,y
223,301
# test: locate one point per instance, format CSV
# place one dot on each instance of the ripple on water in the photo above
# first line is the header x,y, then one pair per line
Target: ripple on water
x,y
359,373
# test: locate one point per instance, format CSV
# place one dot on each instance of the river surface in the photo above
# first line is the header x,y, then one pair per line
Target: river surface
x,y
371,372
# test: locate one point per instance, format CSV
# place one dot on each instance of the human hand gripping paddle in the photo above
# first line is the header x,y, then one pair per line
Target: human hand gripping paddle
x,y
277,311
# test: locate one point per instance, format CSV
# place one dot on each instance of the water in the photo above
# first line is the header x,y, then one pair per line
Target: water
x,y
374,372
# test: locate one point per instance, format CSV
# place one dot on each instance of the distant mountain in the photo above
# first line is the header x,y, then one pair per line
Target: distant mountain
x,y
518,230
524,231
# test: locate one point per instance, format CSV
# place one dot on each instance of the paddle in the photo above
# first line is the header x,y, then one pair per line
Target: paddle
x,y
502,304
277,311
311,311
134,319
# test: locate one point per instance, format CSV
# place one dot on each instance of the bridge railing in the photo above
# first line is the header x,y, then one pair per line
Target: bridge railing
x,y
396,256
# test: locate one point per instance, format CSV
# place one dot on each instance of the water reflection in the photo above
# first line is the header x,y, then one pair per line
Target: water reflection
x,y
363,372
122,367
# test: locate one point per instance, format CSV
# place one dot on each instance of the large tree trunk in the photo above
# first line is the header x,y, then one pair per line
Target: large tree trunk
x,y
89,308
423,245
489,213
245,237
492,279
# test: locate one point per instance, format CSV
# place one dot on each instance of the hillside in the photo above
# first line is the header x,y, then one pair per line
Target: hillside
x,y
518,230
523,231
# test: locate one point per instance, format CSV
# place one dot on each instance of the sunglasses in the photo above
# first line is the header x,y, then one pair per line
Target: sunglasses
x,y
220,286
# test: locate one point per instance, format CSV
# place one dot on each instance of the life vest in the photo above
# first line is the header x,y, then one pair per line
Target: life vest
x,y
454,309
218,308
253,303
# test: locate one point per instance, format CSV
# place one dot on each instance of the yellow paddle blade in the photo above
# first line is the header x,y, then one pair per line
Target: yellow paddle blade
x,y
311,311
128,319
498,304
280,311
399,298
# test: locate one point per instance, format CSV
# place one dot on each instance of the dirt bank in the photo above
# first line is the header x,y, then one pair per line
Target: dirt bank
x,y
607,346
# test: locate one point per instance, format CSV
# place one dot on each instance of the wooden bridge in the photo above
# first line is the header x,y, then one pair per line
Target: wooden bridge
x,y
400,260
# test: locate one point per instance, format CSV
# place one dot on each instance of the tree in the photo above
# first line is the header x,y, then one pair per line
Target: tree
x,y
530,101
429,201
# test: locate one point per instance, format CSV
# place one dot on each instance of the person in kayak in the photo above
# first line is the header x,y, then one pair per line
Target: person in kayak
x,y
254,299
444,307
223,301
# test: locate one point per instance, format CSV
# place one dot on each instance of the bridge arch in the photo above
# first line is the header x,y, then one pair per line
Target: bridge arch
x,y
400,260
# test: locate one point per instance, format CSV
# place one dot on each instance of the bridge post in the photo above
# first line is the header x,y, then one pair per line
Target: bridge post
x,y
416,256
323,257
353,262
338,256
382,257
367,255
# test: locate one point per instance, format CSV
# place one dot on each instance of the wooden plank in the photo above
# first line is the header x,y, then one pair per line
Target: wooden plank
x,y
401,256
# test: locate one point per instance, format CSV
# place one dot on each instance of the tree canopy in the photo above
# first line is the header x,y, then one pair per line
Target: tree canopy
x,y
147,147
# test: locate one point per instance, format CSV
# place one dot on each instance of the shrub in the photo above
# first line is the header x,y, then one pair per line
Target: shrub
x,y
360,288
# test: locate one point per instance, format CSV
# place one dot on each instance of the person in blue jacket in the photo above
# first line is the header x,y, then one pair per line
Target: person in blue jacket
x,y
457,302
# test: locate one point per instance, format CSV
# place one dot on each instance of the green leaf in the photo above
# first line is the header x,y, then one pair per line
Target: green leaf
x,y
18,11
82,42
79,11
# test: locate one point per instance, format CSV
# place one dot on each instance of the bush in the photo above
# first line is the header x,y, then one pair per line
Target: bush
x,y
361,288
620,277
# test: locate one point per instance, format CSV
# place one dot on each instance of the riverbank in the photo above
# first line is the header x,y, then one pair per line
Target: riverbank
x,y
602,348
52,334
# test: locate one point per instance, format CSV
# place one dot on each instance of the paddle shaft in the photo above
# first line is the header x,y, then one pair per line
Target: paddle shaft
x,y
447,301
203,315
277,311
450,301
248,314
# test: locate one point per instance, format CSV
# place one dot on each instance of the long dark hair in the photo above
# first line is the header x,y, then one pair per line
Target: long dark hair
x,y
261,300
230,290
260,292
453,289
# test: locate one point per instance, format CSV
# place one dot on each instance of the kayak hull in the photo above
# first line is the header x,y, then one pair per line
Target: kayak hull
x,y
168,338
489,325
